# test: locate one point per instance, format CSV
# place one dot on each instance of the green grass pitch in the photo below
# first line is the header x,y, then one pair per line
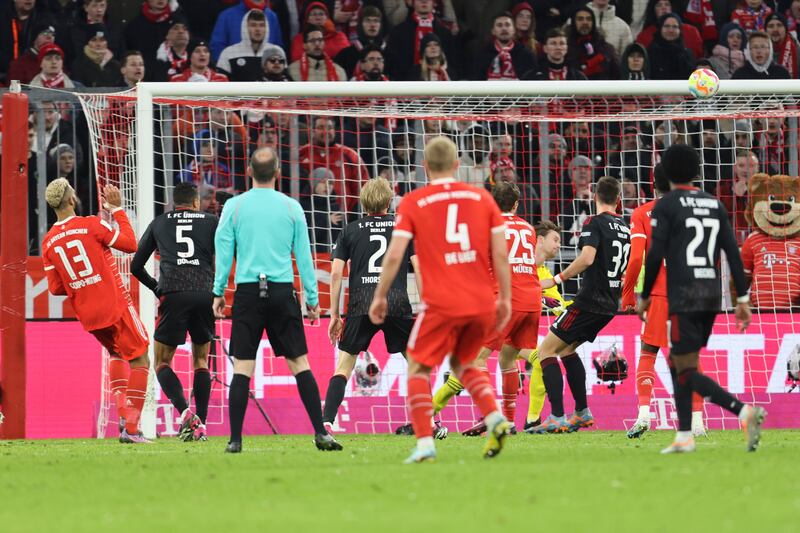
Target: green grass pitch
x,y
591,481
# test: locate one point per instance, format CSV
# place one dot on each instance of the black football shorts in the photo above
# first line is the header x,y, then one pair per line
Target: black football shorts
x,y
359,330
689,332
577,325
279,314
182,311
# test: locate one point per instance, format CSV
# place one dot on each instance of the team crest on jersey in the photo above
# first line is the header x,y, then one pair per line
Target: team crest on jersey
x,y
792,249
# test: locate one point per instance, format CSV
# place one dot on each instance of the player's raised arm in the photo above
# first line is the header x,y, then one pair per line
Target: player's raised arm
x,y
146,248
123,238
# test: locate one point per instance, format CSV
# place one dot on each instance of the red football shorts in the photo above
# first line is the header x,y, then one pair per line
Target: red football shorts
x,y
522,331
435,336
126,338
654,331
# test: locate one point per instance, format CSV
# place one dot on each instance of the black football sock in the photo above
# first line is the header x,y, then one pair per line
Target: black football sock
x,y
708,388
683,399
237,404
576,377
334,397
309,393
554,384
201,390
172,387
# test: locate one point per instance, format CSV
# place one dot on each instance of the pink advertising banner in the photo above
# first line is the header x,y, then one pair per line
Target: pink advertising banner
x,y
64,381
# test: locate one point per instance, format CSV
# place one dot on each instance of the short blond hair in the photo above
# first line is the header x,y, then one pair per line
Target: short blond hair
x,y
56,192
441,154
376,194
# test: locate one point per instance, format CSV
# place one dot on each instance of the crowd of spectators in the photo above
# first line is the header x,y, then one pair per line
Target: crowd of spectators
x,y
416,39
65,44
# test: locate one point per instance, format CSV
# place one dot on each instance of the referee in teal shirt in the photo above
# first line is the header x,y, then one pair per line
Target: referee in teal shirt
x,y
263,228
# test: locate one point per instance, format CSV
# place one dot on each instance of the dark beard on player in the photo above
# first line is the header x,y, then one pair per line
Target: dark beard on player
x,y
373,75
78,207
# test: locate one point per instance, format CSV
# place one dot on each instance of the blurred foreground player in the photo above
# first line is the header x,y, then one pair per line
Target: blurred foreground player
x,y
459,234
689,228
522,332
184,240
363,243
76,254
654,330
604,246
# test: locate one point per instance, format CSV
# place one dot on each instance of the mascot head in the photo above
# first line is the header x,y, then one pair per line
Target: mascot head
x,y
774,205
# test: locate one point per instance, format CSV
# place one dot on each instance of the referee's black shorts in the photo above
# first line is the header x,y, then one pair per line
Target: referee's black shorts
x,y
182,311
577,325
359,330
689,332
279,314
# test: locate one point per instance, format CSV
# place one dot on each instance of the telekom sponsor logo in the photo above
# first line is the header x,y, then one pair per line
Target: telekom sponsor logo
x,y
751,364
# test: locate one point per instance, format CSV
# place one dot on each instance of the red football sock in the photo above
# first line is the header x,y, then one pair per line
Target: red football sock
x,y
118,371
510,389
137,389
697,400
645,377
420,405
479,387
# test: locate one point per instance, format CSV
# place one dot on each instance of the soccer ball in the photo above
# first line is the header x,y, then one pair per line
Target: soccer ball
x,y
703,83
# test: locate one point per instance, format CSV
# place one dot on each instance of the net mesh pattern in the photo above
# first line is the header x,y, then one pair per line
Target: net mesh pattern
x,y
554,148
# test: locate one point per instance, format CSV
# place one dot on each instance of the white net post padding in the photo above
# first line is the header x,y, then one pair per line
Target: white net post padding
x,y
538,133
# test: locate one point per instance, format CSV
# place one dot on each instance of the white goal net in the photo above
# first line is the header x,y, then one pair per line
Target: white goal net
x,y
554,140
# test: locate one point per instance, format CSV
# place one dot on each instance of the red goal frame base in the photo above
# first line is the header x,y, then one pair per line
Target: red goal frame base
x,y
13,263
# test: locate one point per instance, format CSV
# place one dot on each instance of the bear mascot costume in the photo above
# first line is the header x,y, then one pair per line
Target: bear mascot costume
x,y
771,254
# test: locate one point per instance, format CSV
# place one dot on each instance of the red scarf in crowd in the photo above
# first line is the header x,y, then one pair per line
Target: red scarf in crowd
x,y
786,54
155,18
701,14
330,68
176,62
502,68
557,74
54,83
424,27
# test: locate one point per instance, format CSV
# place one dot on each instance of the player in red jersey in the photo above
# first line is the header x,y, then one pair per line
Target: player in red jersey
x,y
77,258
654,331
459,238
522,332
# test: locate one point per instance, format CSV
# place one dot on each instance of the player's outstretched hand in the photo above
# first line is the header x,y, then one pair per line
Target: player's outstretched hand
x,y
743,316
641,309
377,311
335,328
503,314
112,198
313,312
219,306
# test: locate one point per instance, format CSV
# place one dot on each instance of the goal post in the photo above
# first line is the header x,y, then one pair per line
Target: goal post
x,y
545,122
